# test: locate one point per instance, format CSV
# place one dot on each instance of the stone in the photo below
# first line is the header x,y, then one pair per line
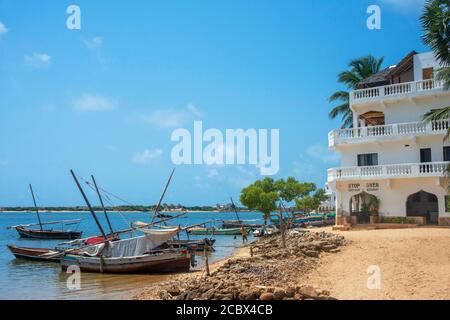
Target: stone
x,y
279,294
267,296
308,292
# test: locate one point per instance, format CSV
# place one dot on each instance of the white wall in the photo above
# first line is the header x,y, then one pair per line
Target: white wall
x,y
393,194
422,61
395,152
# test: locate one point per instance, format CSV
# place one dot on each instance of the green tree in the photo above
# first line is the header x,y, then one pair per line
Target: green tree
x,y
261,196
436,25
435,21
265,195
359,69
310,202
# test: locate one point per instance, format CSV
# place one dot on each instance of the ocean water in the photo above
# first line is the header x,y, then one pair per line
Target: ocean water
x,y
22,279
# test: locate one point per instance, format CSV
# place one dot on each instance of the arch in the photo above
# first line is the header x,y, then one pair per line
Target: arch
x,y
360,206
423,204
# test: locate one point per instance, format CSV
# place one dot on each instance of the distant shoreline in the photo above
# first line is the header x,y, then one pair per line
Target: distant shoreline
x,y
119,211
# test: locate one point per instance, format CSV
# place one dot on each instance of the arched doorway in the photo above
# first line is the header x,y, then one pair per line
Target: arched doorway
x,y
423,204
361,204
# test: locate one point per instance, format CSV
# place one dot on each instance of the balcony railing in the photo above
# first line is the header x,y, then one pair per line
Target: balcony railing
x,y
407,170
406,88
389,131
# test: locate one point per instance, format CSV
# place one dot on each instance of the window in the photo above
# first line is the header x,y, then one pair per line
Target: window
x,y
446,153
369,159
427,73
447,204
425,155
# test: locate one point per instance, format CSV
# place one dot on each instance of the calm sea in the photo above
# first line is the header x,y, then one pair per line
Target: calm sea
x,y
21,279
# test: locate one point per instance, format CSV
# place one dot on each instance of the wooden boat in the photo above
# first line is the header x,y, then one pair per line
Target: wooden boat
x,y
164,261
47,234
231,224
41,233
194,245
35,254
216,231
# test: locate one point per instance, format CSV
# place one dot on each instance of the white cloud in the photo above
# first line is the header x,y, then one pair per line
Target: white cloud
x,y
146,156
212,173
166,118
312,166
38,60
89,102
320,153
94,43
172,118
3,28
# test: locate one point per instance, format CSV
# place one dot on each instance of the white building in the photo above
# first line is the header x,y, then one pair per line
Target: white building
x,y
390,153
330,203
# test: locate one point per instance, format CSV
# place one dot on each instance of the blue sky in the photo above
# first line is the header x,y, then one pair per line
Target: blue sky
x,y
105,99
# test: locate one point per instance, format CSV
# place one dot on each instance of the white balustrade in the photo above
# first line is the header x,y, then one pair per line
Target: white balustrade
x,y
389,171
396,89
391,130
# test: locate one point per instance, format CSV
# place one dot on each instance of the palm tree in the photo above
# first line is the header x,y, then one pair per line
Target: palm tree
x,y
359,69
435,21
436,24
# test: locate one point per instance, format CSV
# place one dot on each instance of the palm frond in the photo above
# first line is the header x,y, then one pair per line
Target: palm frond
x,y
444,75
435,21
339,110
339,95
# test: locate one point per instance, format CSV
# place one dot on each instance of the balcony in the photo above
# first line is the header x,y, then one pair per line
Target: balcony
x,y
395,131
395,91
407,170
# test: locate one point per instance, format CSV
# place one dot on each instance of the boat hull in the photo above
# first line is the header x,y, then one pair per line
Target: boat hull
x,y
34,254
216,232
150,263
195,245
48,234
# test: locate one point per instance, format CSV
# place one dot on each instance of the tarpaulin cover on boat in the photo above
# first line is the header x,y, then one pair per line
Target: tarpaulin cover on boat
x,y
134,246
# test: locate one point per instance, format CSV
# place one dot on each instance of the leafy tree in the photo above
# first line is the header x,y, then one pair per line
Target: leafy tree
x,y
436,24
261,196
312,202
359,69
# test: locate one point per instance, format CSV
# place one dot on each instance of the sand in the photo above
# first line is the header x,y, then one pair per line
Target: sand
x,y
414,264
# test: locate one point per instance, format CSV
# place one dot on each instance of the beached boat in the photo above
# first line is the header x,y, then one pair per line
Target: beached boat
x,y
133,255
232,224
216,231
194,245
164,261
47,234
41,233
35,254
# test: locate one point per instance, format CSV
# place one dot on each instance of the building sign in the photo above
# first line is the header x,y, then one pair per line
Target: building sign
x,y
354,187
375,186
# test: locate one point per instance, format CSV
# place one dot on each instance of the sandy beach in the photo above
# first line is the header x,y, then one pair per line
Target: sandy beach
x,y
414,264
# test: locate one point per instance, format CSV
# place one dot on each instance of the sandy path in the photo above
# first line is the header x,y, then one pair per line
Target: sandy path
x,y
414,264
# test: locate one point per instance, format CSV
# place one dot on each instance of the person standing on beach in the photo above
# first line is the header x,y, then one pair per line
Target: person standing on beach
x,y
244,234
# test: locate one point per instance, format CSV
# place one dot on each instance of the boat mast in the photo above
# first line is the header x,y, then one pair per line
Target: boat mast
x,y
103,206
235,210
89,205
162,196
35,206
